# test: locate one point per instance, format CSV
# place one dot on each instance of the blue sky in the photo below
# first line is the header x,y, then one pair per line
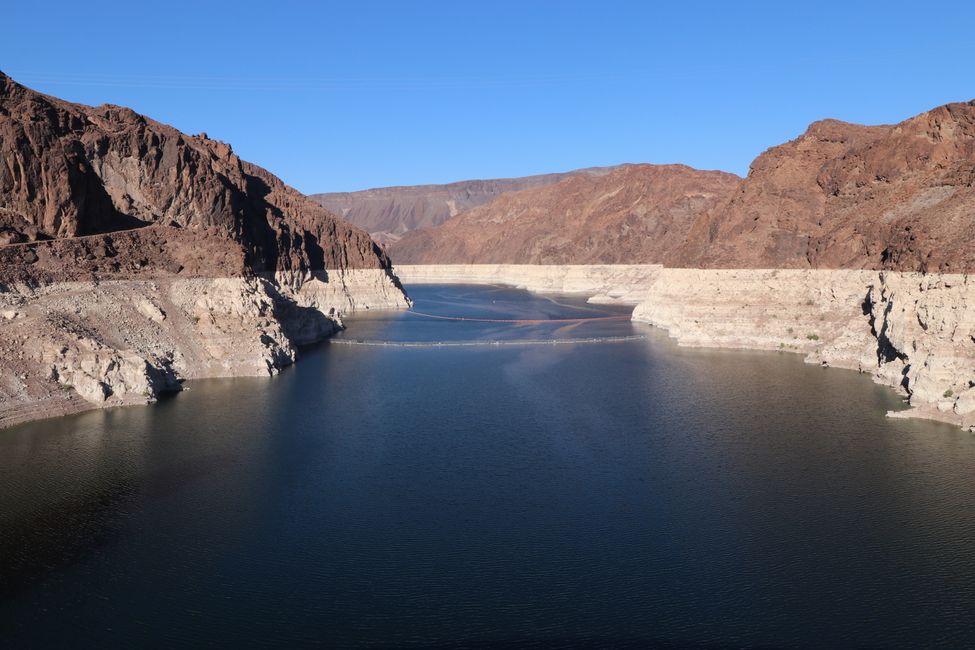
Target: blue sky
x,y
355,94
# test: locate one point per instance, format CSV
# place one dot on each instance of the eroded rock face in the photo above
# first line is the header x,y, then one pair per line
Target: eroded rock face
x,y
913,332
71,346
848,196
636,214
927,323
68,170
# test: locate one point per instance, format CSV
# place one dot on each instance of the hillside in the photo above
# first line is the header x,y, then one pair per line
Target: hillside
x,y
848,196
70,170
390,212
635,214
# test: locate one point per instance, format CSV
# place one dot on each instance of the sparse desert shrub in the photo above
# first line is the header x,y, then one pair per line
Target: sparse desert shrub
x,y
812,337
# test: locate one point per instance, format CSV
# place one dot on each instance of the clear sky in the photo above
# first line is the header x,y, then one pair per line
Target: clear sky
x,y
353,94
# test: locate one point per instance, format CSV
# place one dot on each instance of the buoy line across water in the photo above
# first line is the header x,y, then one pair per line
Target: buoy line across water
x,y
485,343
533,321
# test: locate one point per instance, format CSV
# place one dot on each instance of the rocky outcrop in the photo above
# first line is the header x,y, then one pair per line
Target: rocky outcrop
x,y
913,332
66,347
133,257
636,214
68,170
848,196
388,213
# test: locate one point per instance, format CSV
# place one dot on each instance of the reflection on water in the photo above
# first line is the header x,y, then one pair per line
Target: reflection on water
x,y
611,494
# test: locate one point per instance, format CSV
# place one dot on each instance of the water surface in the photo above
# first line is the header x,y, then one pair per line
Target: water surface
x,y
604,494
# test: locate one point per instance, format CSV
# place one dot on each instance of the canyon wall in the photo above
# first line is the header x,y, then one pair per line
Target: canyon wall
x,y
840,196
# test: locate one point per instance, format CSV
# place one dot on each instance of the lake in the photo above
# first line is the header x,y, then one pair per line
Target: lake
x,y
423,481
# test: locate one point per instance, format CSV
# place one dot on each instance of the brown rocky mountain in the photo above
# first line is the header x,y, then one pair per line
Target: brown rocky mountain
x,y
134,257
899,197
634,214
848,196
69,170
390,212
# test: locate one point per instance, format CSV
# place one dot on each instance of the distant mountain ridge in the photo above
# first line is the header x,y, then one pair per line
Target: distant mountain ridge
x,y
634,214
390,212
842,196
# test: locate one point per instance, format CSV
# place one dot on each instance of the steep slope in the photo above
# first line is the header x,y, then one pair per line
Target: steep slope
x,y
133,257
68,170
846,196
390,212
635,214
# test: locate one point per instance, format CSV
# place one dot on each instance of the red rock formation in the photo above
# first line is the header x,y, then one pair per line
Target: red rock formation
x,y
68,170
846,196
635,214
898,197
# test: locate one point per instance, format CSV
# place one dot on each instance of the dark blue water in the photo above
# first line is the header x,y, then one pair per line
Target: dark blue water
x,y
592,494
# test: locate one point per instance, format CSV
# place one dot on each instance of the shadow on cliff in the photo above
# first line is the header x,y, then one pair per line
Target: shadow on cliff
x,y
303,325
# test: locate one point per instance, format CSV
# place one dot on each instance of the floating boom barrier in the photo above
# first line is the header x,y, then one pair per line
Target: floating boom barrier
x,y
485,343
523,321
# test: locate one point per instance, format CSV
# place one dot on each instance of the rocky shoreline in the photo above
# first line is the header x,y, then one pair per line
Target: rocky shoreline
x,y
73,346
914,332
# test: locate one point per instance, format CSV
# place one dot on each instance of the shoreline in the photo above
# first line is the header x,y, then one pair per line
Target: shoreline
x,y
74,346
69,347
912,332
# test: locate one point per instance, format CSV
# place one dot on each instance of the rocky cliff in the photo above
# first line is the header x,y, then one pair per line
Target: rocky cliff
x,y
388,213
847,196
133,256
68,170
635,214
